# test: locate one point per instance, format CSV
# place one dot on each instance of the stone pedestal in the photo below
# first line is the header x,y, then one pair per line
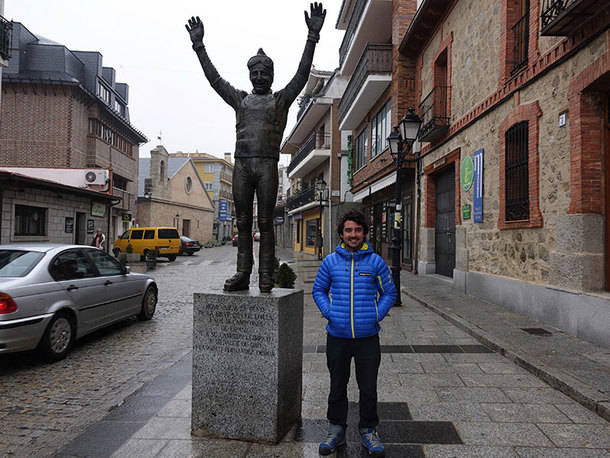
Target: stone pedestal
x,y
247,364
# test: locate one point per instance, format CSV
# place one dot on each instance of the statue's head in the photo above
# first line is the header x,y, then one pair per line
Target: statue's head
x,y
261,72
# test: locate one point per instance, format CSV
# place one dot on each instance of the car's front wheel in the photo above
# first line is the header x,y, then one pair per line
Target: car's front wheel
x,y
149,304
58,337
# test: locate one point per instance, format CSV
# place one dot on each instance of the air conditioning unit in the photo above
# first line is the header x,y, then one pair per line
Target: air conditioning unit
x,y
96,176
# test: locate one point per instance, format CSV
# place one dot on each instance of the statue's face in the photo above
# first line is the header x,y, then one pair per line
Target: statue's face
x,y
261,79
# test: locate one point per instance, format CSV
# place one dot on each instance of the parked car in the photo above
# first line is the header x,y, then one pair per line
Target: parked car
x,y
188,245
257,236
234,239
52,294
145,240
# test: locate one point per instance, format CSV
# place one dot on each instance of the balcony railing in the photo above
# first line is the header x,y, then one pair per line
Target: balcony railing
x,y
521,40
562,17
376,58
351,29
6,28
302,198
435,115
303,104
128,200
315,141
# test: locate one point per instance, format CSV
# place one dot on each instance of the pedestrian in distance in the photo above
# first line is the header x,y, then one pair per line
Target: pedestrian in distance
x,y
354,292
99,239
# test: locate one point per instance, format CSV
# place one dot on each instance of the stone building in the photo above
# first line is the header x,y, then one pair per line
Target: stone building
x,y
52,205
171,193
217,176
63,108
515,182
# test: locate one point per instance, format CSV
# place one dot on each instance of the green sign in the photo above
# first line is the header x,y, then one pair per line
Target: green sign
x,y
466,211
467,173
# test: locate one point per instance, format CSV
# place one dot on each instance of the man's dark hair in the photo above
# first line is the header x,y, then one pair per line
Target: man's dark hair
x,y
355,216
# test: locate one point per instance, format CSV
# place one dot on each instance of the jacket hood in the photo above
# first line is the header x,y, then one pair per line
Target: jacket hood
x,y
342,250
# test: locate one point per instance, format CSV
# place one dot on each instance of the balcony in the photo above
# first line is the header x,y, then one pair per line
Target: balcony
x,y
6,28
563,17
313,152
370,22
128,200
302,198
372,76
434,113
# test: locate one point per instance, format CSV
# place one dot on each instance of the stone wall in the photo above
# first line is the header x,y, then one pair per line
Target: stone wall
x,y
523,253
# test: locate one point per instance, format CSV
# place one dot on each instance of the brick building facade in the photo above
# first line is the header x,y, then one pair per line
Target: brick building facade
x,y
63,108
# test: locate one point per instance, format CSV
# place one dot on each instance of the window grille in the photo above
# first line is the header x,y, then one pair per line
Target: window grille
x,y
520,32
517,172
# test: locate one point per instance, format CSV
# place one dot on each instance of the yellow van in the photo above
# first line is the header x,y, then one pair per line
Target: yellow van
x,y
145,239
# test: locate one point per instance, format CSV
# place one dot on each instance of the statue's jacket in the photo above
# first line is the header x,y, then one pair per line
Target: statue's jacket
x,y
354,291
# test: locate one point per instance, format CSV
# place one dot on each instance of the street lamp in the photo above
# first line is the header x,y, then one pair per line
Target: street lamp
x,y
320,189
402,135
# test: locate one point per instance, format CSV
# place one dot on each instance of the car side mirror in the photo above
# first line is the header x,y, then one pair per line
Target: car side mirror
x,y
126,270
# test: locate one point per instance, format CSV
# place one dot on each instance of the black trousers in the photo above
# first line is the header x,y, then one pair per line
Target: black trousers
x,y
255,175
367,356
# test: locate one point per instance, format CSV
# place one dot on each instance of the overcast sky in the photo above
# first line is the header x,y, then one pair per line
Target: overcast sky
x,y
147,44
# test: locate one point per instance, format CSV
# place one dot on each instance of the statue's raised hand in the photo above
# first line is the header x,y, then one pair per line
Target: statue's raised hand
x,y
315,22
195,29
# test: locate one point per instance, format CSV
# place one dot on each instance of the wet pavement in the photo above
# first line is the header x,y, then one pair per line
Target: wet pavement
x,y
443,393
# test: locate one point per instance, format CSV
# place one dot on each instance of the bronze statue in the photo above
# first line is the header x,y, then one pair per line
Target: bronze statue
x,y
261,120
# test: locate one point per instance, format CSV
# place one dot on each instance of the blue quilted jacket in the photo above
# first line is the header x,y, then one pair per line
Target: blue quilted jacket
x,y
354,291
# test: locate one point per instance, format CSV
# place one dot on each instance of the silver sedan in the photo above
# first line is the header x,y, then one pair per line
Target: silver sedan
x,y
52,294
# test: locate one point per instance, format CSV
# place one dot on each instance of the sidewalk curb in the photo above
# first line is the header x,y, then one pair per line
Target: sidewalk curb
x,y
583,394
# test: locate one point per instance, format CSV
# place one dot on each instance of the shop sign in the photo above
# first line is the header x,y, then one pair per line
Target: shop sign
x,y
98,209
279,220
466,211
439,163
126,217
90,226
478,186
466,173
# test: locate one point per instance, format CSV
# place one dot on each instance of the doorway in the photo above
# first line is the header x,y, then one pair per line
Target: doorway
x,y
444,234
80,229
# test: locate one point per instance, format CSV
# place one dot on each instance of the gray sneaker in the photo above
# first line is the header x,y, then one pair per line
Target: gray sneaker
x,y
334,440
370,440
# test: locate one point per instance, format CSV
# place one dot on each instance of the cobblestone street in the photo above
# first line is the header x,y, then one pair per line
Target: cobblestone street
x,y
44,405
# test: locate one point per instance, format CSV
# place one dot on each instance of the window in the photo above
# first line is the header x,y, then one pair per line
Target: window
x,y
125,235
520,33
208,186
14,263
149,234
161,171
137,234
360,147
517,172
380,129
71,265
118,106
105,264
103,93
30,220
168,234
103,132
189,184
312,232
209,168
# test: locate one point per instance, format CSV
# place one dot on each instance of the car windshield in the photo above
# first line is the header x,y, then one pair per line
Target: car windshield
x,y
185,239
17,263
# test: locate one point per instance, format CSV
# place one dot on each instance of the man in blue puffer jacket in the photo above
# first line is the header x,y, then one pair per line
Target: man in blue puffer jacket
x,y
354,291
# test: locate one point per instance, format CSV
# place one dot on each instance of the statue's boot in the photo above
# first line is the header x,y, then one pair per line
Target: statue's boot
x,y
238,282
265,282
